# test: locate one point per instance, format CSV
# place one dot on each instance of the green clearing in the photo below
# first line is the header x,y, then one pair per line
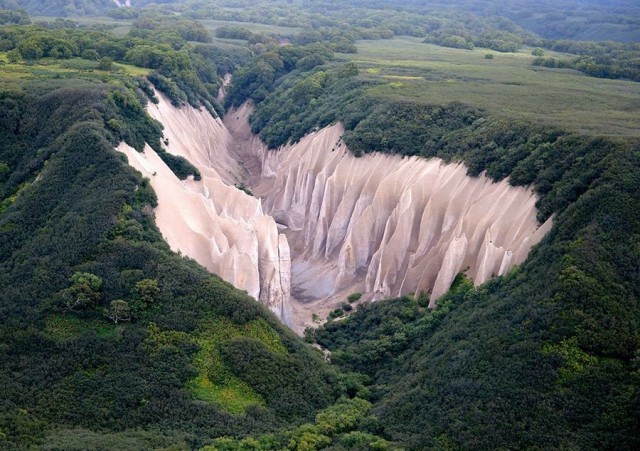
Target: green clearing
x,y
131,70
13,74
65,327
215,382
507,85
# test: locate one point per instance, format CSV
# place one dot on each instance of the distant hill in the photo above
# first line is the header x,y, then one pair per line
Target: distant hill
x,y
64,8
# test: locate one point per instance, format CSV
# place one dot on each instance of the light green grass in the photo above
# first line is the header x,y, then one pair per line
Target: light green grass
x,y
64,327
233,397
215,382
131,70
12,75
507,84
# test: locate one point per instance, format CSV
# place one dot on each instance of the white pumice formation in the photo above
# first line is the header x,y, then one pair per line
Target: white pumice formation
x,y
211,220
321,223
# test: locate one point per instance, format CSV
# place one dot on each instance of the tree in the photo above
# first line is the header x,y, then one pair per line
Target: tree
x,y
83,294
537,52
343,416
145,293
119,310
31,49
90,54
13,56
105,64
348,70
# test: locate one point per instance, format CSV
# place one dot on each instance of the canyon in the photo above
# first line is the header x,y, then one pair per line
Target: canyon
x,y
303,226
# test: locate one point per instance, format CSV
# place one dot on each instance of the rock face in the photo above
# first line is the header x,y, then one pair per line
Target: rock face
x,y
383,224
212,221
380,224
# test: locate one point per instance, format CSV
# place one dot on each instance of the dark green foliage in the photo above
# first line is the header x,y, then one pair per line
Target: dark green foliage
x,y
83,294
256,80
337,427
162,27
65,7
226,60
371,19
133,126
118,311
560,166
18,17
288,385
168,87
124,13
560,337
304,101
180,166
466,31
105,64
537,52
481,372
335,313
90,54
602,60
235,32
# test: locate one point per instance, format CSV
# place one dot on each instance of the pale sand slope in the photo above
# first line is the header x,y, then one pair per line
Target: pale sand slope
x,y
214,223
382,224
379,224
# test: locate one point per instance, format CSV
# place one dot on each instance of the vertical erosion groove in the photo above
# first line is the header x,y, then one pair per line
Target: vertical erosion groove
x,y
321,223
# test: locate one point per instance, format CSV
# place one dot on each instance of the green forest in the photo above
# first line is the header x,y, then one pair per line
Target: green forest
x,y
109,340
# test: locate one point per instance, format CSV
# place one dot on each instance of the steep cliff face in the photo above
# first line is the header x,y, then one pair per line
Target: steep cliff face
x,y
382,224
211,220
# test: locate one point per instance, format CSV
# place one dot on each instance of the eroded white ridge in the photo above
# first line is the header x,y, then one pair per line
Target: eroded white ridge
x,y
380,224
383,224
210,220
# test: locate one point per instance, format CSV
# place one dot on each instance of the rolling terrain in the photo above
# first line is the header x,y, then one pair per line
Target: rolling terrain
x,y
453,189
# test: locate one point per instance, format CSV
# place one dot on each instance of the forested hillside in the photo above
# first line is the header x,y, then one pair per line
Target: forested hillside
x,y
107,336
108,340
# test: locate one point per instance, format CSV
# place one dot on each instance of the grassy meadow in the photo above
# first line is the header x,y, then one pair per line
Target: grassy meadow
x,y
13,75
506,84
